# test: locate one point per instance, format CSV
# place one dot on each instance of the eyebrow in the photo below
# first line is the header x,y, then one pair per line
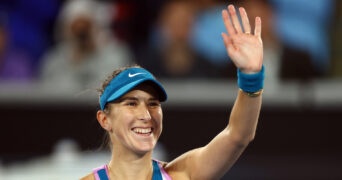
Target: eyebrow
x,y
131,98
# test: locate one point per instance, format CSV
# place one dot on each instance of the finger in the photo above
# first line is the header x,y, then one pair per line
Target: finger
x,y
225,39
235,19
245,20
227,42
257,30
227,22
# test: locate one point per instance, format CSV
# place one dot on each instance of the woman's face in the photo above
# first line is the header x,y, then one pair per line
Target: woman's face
x,y
136,120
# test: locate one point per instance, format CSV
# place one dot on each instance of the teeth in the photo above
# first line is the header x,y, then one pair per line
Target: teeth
x,y
142,130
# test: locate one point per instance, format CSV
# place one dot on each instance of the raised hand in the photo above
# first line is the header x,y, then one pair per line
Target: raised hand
x,y
243,47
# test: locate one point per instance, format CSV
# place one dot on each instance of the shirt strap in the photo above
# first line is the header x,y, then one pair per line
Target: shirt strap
x,y
156,171
101,173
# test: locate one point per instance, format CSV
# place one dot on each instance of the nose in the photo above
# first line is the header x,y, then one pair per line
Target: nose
x,y
144,113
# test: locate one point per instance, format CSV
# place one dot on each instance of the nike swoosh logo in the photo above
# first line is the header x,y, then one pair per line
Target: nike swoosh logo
x,y
132,75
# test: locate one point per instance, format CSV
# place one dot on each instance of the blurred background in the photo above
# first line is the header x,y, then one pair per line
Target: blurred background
x,y
54,54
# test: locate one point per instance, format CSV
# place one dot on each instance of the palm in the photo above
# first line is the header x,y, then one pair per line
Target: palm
x,y
245,49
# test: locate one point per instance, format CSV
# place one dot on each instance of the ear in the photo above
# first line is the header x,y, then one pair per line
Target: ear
x,y
104,120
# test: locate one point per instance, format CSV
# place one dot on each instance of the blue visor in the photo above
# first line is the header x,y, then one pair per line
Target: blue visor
x,y
127,80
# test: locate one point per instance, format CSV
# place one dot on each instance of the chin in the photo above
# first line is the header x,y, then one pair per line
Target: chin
x,y
144,149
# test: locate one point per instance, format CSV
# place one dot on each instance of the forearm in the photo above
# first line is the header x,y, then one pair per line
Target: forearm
x,y
244,117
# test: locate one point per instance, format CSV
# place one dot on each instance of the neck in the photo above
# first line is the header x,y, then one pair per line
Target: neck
x,y
123,166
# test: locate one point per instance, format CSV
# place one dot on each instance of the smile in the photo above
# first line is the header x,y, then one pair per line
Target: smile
x,y
142,131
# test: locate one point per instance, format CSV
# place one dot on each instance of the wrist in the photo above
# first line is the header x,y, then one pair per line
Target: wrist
x,y
251,83
253,94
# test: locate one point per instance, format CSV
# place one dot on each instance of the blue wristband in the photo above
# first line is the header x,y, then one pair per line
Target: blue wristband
x,y
251,82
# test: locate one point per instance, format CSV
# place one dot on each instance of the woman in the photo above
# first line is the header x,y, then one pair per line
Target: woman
x,y
132,115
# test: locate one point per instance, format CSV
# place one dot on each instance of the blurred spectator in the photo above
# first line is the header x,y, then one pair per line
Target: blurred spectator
x,y
85,51
169,53
285,62
206,34
305,25
29,24
15,65
132,20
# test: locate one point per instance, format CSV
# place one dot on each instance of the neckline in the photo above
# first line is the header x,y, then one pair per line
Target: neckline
x,y
156,172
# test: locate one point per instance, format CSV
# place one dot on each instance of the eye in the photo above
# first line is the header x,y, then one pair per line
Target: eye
x,y
131,103
154,104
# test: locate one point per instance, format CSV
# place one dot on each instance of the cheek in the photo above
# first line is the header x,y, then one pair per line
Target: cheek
x,y
120,126
117,119
158,114
158,118
121,120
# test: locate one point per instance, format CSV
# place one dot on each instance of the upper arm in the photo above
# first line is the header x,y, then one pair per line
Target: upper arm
x,y
208,162
218,156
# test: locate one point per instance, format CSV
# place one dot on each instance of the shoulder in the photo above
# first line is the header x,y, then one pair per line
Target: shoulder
x,y
182,166
90,176
161,163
